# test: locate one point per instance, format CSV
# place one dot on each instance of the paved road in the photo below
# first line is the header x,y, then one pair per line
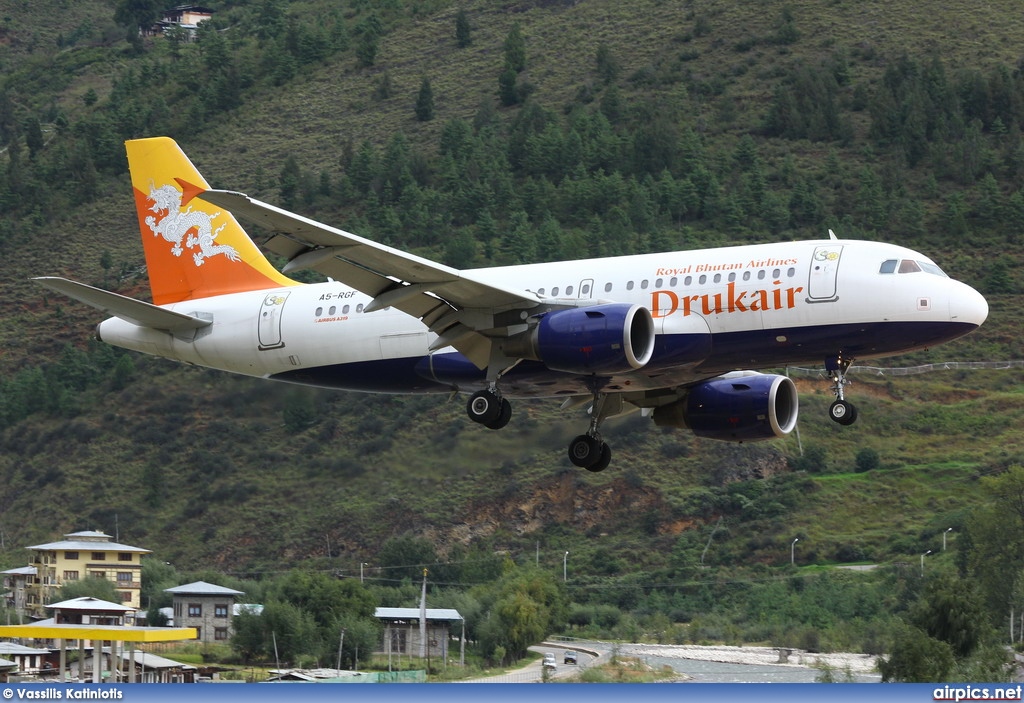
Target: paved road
x,y
533,673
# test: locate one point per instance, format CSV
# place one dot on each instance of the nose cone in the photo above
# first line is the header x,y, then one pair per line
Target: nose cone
x,y
968,306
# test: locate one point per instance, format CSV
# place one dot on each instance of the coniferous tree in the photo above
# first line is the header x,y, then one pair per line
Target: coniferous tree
x,y
607,65
33,137
463,30
289,182
507,92
515,50
137,14
425,101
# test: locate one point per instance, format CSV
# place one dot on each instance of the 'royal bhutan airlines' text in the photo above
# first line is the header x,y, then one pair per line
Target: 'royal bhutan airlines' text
x,y
666,302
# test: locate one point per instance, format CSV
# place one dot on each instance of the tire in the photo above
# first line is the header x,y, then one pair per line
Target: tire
x,y
843,412
484,407
603,460
585,451
504,416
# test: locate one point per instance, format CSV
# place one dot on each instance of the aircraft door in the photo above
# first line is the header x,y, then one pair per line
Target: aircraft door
x,y
821,283
269,329
586,289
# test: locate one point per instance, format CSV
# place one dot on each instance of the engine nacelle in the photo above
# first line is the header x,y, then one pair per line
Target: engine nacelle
x,y
743,406
601,339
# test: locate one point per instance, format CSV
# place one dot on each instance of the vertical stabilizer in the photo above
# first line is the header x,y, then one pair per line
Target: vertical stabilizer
x,y
193,249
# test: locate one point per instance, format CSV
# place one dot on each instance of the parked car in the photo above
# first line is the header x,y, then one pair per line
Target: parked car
x,y
570,657
549,661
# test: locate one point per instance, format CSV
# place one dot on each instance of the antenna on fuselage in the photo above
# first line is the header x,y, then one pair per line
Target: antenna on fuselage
x,y
832,235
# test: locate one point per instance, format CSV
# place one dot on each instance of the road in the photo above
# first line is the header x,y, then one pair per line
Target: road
x,y
533,673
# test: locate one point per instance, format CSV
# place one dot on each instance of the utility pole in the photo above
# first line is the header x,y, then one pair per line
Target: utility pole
x,y
341,643
423,618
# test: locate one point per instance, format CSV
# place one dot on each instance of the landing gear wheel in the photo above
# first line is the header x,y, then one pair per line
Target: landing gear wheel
x,y
504,416
587,452
603,460
843,412
484,407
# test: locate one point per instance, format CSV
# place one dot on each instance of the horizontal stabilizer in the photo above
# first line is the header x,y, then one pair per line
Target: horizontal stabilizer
x,y
134,311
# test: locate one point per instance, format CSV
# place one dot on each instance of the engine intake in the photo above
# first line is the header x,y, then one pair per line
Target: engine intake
x,y
744,406
602,339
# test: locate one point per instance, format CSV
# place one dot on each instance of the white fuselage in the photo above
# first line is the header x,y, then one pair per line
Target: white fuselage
x,y
757,306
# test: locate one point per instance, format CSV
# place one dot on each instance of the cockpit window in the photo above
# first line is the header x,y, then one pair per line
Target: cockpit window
x,y
910,266
932,268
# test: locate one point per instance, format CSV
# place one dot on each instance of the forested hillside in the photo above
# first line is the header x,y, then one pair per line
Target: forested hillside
x,y
480,133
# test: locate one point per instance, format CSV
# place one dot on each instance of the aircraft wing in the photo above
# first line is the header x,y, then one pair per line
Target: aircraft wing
x,y
137,312
456,307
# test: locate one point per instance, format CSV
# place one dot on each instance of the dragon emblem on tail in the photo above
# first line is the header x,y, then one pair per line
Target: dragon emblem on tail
x,y
185,229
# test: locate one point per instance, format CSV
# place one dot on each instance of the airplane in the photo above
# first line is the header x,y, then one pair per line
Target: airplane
x,y
678,335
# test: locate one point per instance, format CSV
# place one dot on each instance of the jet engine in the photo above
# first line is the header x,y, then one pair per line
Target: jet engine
x,y
743,406
601,339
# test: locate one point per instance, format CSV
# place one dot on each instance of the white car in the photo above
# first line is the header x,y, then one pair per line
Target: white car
x,y
549,661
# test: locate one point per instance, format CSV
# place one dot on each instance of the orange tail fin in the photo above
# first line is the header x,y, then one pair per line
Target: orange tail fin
x,y
193,249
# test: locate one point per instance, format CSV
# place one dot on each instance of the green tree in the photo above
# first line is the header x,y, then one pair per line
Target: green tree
x,y
996,531
89,587
425,101
607,65
508,91
368,32
290,179
916,658
406,556
867,459
137,14
327,598
299,411
463,30
515,50
950,610
528,604
33,137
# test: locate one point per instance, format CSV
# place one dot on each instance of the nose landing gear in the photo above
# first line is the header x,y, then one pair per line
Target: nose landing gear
x,y
841,411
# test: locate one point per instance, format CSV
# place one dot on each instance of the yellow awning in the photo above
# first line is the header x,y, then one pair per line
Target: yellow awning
x,y
116,633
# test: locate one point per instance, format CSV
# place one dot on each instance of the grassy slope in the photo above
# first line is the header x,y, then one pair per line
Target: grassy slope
x,y
441,475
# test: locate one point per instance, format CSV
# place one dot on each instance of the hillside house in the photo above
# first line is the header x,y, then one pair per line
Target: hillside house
x,y
402,632
80,555
91,611
152,668
16,583
26,660
185,17
205,606
7,667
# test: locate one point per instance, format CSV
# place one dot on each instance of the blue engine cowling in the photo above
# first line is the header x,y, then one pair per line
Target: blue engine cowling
x,y
739,407
601,339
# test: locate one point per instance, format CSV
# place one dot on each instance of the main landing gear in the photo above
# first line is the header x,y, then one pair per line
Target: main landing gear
x,y
588,451
841,411
489,409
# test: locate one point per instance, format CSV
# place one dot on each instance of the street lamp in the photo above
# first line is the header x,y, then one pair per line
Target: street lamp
x,y
922,560
948,530
565,562
361,565
792,552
